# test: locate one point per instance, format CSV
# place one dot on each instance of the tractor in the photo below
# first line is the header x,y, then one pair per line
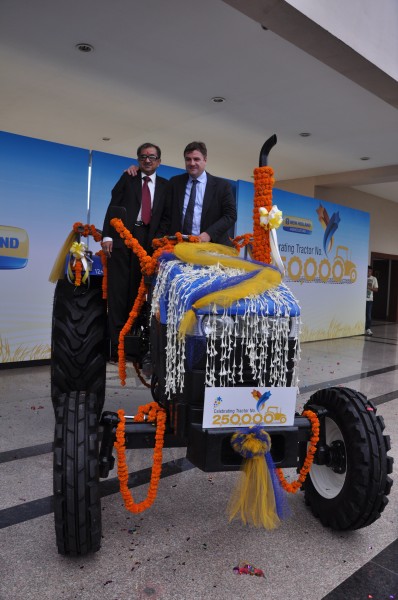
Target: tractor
x,y
343,265
254,341
274,414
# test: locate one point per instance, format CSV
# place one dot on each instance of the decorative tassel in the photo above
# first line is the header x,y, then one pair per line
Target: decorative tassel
x,y
258,498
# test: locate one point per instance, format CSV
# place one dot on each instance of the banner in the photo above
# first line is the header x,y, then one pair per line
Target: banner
x,y
324,248
43,191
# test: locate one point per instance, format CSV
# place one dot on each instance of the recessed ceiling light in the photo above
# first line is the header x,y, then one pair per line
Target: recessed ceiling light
x,y
365,158
305,134
218,99
84,47
105,139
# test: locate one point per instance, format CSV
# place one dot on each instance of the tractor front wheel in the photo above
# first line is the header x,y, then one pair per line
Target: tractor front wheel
x,y
78,344
77,505
349,490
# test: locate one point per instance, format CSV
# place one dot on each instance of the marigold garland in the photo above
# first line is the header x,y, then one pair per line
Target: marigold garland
x,y
152,413
134,313
148,263
85,231
242,240
294,486
78,268
261,247
263,182
148,266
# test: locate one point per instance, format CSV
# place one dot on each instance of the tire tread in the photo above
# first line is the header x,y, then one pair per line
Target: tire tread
x,y
77,510
364,494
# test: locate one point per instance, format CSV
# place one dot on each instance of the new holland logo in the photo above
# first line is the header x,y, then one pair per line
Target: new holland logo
x,y
14,247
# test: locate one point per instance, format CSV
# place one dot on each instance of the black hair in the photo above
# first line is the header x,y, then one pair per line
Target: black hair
x,y
149,145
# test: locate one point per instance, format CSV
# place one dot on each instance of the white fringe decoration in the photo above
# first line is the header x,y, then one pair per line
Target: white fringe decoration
x,y
260,332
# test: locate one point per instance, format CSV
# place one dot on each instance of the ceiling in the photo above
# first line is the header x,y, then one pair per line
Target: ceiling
x,y
151,77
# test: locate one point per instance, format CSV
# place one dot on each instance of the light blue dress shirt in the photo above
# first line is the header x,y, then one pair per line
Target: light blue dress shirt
x,y
200,192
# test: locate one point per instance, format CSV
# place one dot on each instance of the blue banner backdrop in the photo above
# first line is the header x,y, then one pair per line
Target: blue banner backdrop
x,y
43,191
324,247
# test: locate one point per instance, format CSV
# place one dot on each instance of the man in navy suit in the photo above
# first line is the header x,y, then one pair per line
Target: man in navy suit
x,y
124,273
198,203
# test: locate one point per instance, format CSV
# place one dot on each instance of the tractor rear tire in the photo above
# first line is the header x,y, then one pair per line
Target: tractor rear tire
x,y
78,345
351,492
77,504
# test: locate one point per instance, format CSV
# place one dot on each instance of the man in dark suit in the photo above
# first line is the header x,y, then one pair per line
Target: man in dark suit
x,y
198,203
143,201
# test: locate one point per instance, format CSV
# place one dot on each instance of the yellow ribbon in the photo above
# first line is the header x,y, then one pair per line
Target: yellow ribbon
x,y
216,254
272,219
78,250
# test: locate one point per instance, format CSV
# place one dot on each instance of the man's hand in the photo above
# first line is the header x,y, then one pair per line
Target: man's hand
x,y
107,248
204,237
132,170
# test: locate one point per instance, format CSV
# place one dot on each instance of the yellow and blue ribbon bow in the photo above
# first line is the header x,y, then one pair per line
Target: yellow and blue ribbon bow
x,y
258,498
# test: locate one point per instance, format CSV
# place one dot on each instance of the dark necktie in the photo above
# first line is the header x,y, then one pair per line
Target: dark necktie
x,y
188,219
146,201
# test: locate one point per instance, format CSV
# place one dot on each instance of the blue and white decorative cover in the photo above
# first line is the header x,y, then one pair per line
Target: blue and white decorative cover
x,y
263,323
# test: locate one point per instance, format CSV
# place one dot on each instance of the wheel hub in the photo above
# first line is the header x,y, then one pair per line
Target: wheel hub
x,y
337,456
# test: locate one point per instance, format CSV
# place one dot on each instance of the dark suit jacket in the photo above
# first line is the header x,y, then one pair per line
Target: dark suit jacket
x,y
218,211
127,194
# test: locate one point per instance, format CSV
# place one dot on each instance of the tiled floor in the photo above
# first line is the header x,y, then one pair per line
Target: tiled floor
x,y
184,548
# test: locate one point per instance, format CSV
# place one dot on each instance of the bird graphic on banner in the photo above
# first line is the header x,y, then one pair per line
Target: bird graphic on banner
x,y
261,398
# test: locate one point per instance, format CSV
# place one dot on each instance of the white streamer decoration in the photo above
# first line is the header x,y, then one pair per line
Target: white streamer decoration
x,y
260,334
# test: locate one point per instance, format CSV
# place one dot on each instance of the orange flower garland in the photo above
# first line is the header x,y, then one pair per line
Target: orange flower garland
x,y
85,231
242,240
149,263
154,414
135,311
263,182
148,266
293,487
77,268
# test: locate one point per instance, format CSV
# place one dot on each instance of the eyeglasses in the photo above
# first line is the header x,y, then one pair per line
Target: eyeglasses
x,y
150,157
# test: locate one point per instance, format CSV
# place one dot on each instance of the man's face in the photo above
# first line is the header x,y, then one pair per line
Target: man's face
x,y
370,271
148,160
195,163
